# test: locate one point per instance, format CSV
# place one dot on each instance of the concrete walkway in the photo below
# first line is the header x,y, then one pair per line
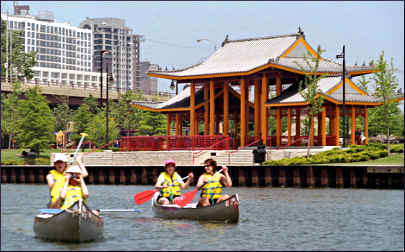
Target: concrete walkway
x,y
190,158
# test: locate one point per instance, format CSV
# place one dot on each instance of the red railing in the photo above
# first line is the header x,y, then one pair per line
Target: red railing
x,y
158,143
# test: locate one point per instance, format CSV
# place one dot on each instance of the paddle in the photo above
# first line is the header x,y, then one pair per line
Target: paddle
x,y
144,196
78,147
119,210
189,196
50,210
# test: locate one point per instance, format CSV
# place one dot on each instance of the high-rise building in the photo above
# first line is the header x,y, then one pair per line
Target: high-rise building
x,y
146,83
112,35
64,52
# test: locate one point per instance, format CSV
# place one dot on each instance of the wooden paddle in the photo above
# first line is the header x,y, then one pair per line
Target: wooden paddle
x,y
144,196
189,196
78,147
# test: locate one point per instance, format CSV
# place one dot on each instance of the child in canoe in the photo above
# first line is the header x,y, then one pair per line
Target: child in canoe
x,y
170,183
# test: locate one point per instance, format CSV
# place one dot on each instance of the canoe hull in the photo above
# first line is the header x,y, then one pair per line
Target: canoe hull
x,y
218,212
70,226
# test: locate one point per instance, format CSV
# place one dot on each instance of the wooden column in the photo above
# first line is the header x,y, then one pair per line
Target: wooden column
x,y
168,124
366,125
289,126
178,124
206,110
278,127
278,113
226,109
336,127
264,119
247,85
323,126
212,108
353,125
257,108
319,133
311,133
192,109
242,112
297,125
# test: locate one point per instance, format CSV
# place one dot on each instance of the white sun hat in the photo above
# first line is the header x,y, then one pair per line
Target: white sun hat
x,y
60,157
74,169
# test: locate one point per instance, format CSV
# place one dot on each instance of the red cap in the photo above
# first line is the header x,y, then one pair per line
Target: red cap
x,y
169,161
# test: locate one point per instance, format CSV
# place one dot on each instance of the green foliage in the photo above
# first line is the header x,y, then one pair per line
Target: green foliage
x,y
309,89
96,129
11,114
63,115
386,84
124,113
152,124
376,116
36,126
82,116
355,153
21,62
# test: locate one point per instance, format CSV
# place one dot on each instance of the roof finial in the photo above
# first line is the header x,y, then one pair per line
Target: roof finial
x,y
225,41
301,32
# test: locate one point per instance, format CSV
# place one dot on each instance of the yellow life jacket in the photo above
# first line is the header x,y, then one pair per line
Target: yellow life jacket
x,y
73,194
57,187
213,189
173,188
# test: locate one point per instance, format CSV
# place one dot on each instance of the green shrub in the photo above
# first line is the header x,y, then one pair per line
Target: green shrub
x,y
397,148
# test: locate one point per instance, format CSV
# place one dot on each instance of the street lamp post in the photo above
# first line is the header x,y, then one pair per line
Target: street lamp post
x,y
109,78
102,52
343,55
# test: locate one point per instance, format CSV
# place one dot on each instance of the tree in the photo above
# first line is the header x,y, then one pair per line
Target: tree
x,y
309,90
377,115
96,129
152,124
125,114
21,62
82,116
63,115
37,124
11,114
386,84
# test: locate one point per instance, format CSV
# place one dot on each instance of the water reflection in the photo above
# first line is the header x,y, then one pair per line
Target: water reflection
x,y
270,219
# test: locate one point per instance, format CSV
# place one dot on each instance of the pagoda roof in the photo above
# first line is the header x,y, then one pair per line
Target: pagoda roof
x,y
181,102
248,56
331,88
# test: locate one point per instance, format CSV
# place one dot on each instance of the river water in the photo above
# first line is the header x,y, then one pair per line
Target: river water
x,y
270,219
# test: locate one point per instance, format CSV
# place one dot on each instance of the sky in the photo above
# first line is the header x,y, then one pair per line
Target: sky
x,y
171,29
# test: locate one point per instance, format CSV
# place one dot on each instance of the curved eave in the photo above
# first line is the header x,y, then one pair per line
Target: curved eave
x,y
327,98
160,110
253,71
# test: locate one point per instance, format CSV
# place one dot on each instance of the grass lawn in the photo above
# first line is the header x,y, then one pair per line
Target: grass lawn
x,y
393,159
14,155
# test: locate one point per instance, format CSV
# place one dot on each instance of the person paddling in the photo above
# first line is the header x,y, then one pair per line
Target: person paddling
x,y
211,184
170,183
74,189
56,179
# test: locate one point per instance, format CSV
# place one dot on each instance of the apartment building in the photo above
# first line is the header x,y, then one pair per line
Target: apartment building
x,y
112,35
64,52
146,83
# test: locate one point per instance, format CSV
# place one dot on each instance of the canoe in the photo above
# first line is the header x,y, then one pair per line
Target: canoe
x,y
217,212
76,224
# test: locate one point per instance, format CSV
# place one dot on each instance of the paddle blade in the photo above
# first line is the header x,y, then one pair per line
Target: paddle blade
x,y
185,198
51,210
144,196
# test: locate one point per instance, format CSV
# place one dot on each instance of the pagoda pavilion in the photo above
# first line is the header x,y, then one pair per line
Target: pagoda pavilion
x,y
233,85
